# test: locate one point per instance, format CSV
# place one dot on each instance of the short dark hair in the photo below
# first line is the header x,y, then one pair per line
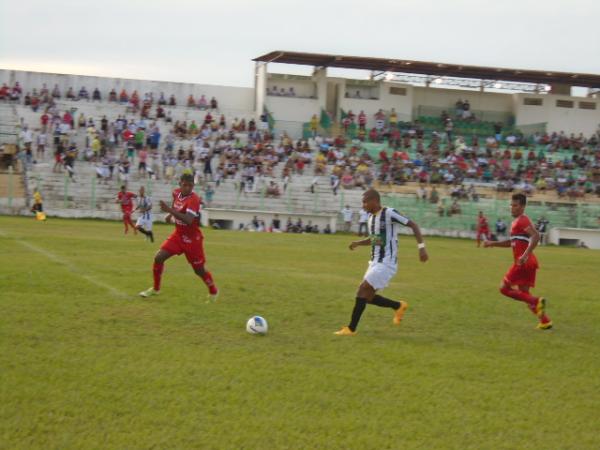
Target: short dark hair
x,y
123,187
187,177
521,198
372,194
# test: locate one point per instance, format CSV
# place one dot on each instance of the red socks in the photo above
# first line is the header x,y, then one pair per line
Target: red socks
x,y
520,295
210,284
525,297
157,270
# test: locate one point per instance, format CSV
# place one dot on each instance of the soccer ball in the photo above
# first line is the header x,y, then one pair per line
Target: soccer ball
x,y
257,325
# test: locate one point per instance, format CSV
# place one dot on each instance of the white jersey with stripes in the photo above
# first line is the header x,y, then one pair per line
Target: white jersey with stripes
x,y
383,230
143,203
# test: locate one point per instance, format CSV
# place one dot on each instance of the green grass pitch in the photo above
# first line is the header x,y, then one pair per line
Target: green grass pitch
x,y
86,364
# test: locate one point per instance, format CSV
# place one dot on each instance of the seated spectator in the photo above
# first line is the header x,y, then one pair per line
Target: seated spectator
x,y
276,224
123,97
161,99
83,93
291,92
56,92
4,92
202,103
213,103
71,94
96,95
172,101
434,197
190,101
273,190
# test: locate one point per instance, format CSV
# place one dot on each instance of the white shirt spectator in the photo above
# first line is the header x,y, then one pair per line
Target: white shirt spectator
x,y
347,214
363,216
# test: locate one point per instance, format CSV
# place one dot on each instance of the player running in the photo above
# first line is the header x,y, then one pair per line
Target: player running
x,y
125,198
523,240
144,222
483,228
187,237
382,227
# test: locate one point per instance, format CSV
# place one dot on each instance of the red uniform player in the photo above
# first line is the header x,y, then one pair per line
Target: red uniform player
x,y
125,198
483,228
523,240
187,237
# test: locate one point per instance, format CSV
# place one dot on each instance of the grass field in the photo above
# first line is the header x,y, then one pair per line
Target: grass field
x,y
85,363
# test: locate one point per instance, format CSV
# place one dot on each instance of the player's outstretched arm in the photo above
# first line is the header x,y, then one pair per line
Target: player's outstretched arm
x,y
505,243
423,256
355,244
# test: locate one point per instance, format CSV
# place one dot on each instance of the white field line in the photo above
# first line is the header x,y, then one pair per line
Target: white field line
x,y
68,265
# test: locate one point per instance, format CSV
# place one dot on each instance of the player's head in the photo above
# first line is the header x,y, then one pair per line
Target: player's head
x,y
142,191
123,188
186,183
517,204
480,213
371,201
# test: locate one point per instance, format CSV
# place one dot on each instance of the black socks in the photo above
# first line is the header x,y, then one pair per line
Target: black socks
x,y
359,307
385,302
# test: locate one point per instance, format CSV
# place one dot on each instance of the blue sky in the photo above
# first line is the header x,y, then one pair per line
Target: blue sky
x,y
214,41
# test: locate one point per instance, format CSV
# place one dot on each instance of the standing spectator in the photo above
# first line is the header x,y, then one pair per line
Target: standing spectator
x,y
542,227
449,128
362,120
500,228
42,139
482,228
347,216
498,132
363,218
314,121
143,156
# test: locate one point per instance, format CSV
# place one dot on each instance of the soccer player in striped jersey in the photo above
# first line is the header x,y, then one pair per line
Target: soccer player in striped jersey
x,y
144,222
382,226
523,240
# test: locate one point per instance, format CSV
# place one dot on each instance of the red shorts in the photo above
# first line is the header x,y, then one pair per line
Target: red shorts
x,y
127,214
193,248
484,233
523,275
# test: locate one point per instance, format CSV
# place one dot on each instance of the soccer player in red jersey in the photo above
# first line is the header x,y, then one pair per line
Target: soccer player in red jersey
x,y
483,228
187,237
125,198
523,240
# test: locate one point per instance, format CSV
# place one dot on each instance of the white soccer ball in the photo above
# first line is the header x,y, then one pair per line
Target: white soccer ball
x,y
257,325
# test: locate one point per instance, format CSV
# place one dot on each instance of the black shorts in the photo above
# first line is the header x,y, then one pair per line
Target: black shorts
x,y
37,207
141,166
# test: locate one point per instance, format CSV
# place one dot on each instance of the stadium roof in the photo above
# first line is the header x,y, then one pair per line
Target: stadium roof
x,y
432,68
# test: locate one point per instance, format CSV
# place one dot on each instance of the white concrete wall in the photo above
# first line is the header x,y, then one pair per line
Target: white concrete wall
x,y
302,88
229,97
403,104
569,120
446,98
591,238
245,217
292,109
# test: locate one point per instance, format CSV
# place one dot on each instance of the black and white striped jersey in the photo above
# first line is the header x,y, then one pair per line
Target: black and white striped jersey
x,y
143,203
383,232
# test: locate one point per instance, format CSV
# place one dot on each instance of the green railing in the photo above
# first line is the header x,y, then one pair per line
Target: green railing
x,y
428,215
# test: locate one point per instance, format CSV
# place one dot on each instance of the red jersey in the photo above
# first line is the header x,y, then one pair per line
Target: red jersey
x,y
519,239
187,204
126,200
482,223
